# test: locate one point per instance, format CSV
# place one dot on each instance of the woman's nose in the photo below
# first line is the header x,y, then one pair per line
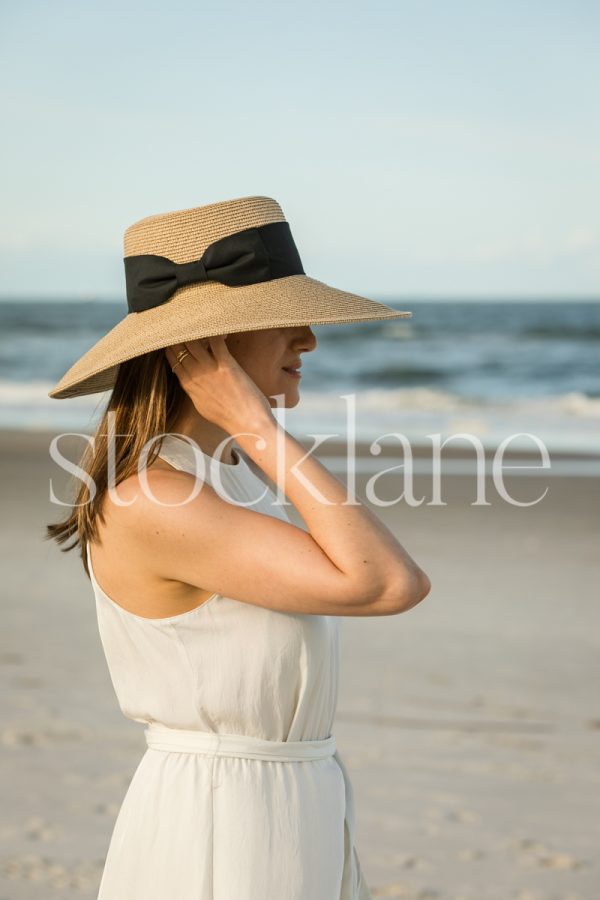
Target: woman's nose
x,y
307,340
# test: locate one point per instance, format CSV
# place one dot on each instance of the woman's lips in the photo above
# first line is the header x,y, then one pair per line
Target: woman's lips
x,y
295,373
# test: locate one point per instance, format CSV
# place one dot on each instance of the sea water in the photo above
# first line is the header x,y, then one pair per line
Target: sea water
x,y
489,368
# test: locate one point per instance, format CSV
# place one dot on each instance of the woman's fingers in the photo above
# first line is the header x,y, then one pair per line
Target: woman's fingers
x,y
200,349
197,351
219,347
174,352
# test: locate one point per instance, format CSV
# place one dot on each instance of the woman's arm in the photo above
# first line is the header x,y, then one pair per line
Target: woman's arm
x,y
356,542
348,563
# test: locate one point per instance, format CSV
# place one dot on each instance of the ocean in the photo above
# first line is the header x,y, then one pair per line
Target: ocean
x,y
526,371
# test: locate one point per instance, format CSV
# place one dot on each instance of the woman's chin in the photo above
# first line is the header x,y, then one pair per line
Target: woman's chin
x,y
290,398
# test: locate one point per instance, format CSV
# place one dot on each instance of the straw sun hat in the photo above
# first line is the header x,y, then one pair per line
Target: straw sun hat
x,y
216,269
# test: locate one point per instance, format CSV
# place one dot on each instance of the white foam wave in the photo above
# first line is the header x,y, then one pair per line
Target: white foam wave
x,y
424,399
570,420
428,399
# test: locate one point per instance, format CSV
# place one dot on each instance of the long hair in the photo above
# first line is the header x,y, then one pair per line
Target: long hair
x,y
145,401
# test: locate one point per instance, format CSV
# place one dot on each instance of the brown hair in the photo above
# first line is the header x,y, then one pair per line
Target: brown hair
x,y
146,401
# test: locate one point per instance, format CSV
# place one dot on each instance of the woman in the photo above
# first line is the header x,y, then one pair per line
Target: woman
x,y
219,618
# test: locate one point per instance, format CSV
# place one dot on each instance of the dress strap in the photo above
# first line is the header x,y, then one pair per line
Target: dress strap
x,y
181,454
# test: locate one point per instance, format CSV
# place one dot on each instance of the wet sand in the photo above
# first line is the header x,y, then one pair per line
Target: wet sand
x,y
470,724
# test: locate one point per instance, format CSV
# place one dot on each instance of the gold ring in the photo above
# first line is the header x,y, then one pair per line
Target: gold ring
x,y
178,363
182,354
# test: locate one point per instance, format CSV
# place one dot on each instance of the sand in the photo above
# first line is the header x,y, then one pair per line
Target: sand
x,y
470,724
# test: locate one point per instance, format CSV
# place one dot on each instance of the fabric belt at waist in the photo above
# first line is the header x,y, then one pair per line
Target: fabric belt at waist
x,y
160,737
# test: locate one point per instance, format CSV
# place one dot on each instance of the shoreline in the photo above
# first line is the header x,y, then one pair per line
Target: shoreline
x,y
38,439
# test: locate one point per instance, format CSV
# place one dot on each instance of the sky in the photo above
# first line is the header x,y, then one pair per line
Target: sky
x,y
416,148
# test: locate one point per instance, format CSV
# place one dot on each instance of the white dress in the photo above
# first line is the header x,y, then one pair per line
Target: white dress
x,y
241,793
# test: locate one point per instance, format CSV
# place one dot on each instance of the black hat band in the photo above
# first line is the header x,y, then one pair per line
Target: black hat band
x,y
245,257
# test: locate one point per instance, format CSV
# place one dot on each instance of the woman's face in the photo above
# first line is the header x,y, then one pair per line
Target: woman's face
x,y
265,354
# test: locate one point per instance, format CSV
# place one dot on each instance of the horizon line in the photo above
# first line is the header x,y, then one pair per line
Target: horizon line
x,y
396,298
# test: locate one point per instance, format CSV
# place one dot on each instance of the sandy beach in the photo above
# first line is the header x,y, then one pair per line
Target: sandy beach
x,y
470,725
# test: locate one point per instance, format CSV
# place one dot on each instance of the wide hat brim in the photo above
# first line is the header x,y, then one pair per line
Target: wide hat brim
x,y
208,309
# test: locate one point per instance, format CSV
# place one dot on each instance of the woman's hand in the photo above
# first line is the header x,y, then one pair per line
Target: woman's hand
x,y
219,388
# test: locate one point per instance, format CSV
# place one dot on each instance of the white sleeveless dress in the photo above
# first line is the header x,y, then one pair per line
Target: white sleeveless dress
x,y
241,793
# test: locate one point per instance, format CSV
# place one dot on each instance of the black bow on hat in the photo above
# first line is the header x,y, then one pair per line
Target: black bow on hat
x,y
245,257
